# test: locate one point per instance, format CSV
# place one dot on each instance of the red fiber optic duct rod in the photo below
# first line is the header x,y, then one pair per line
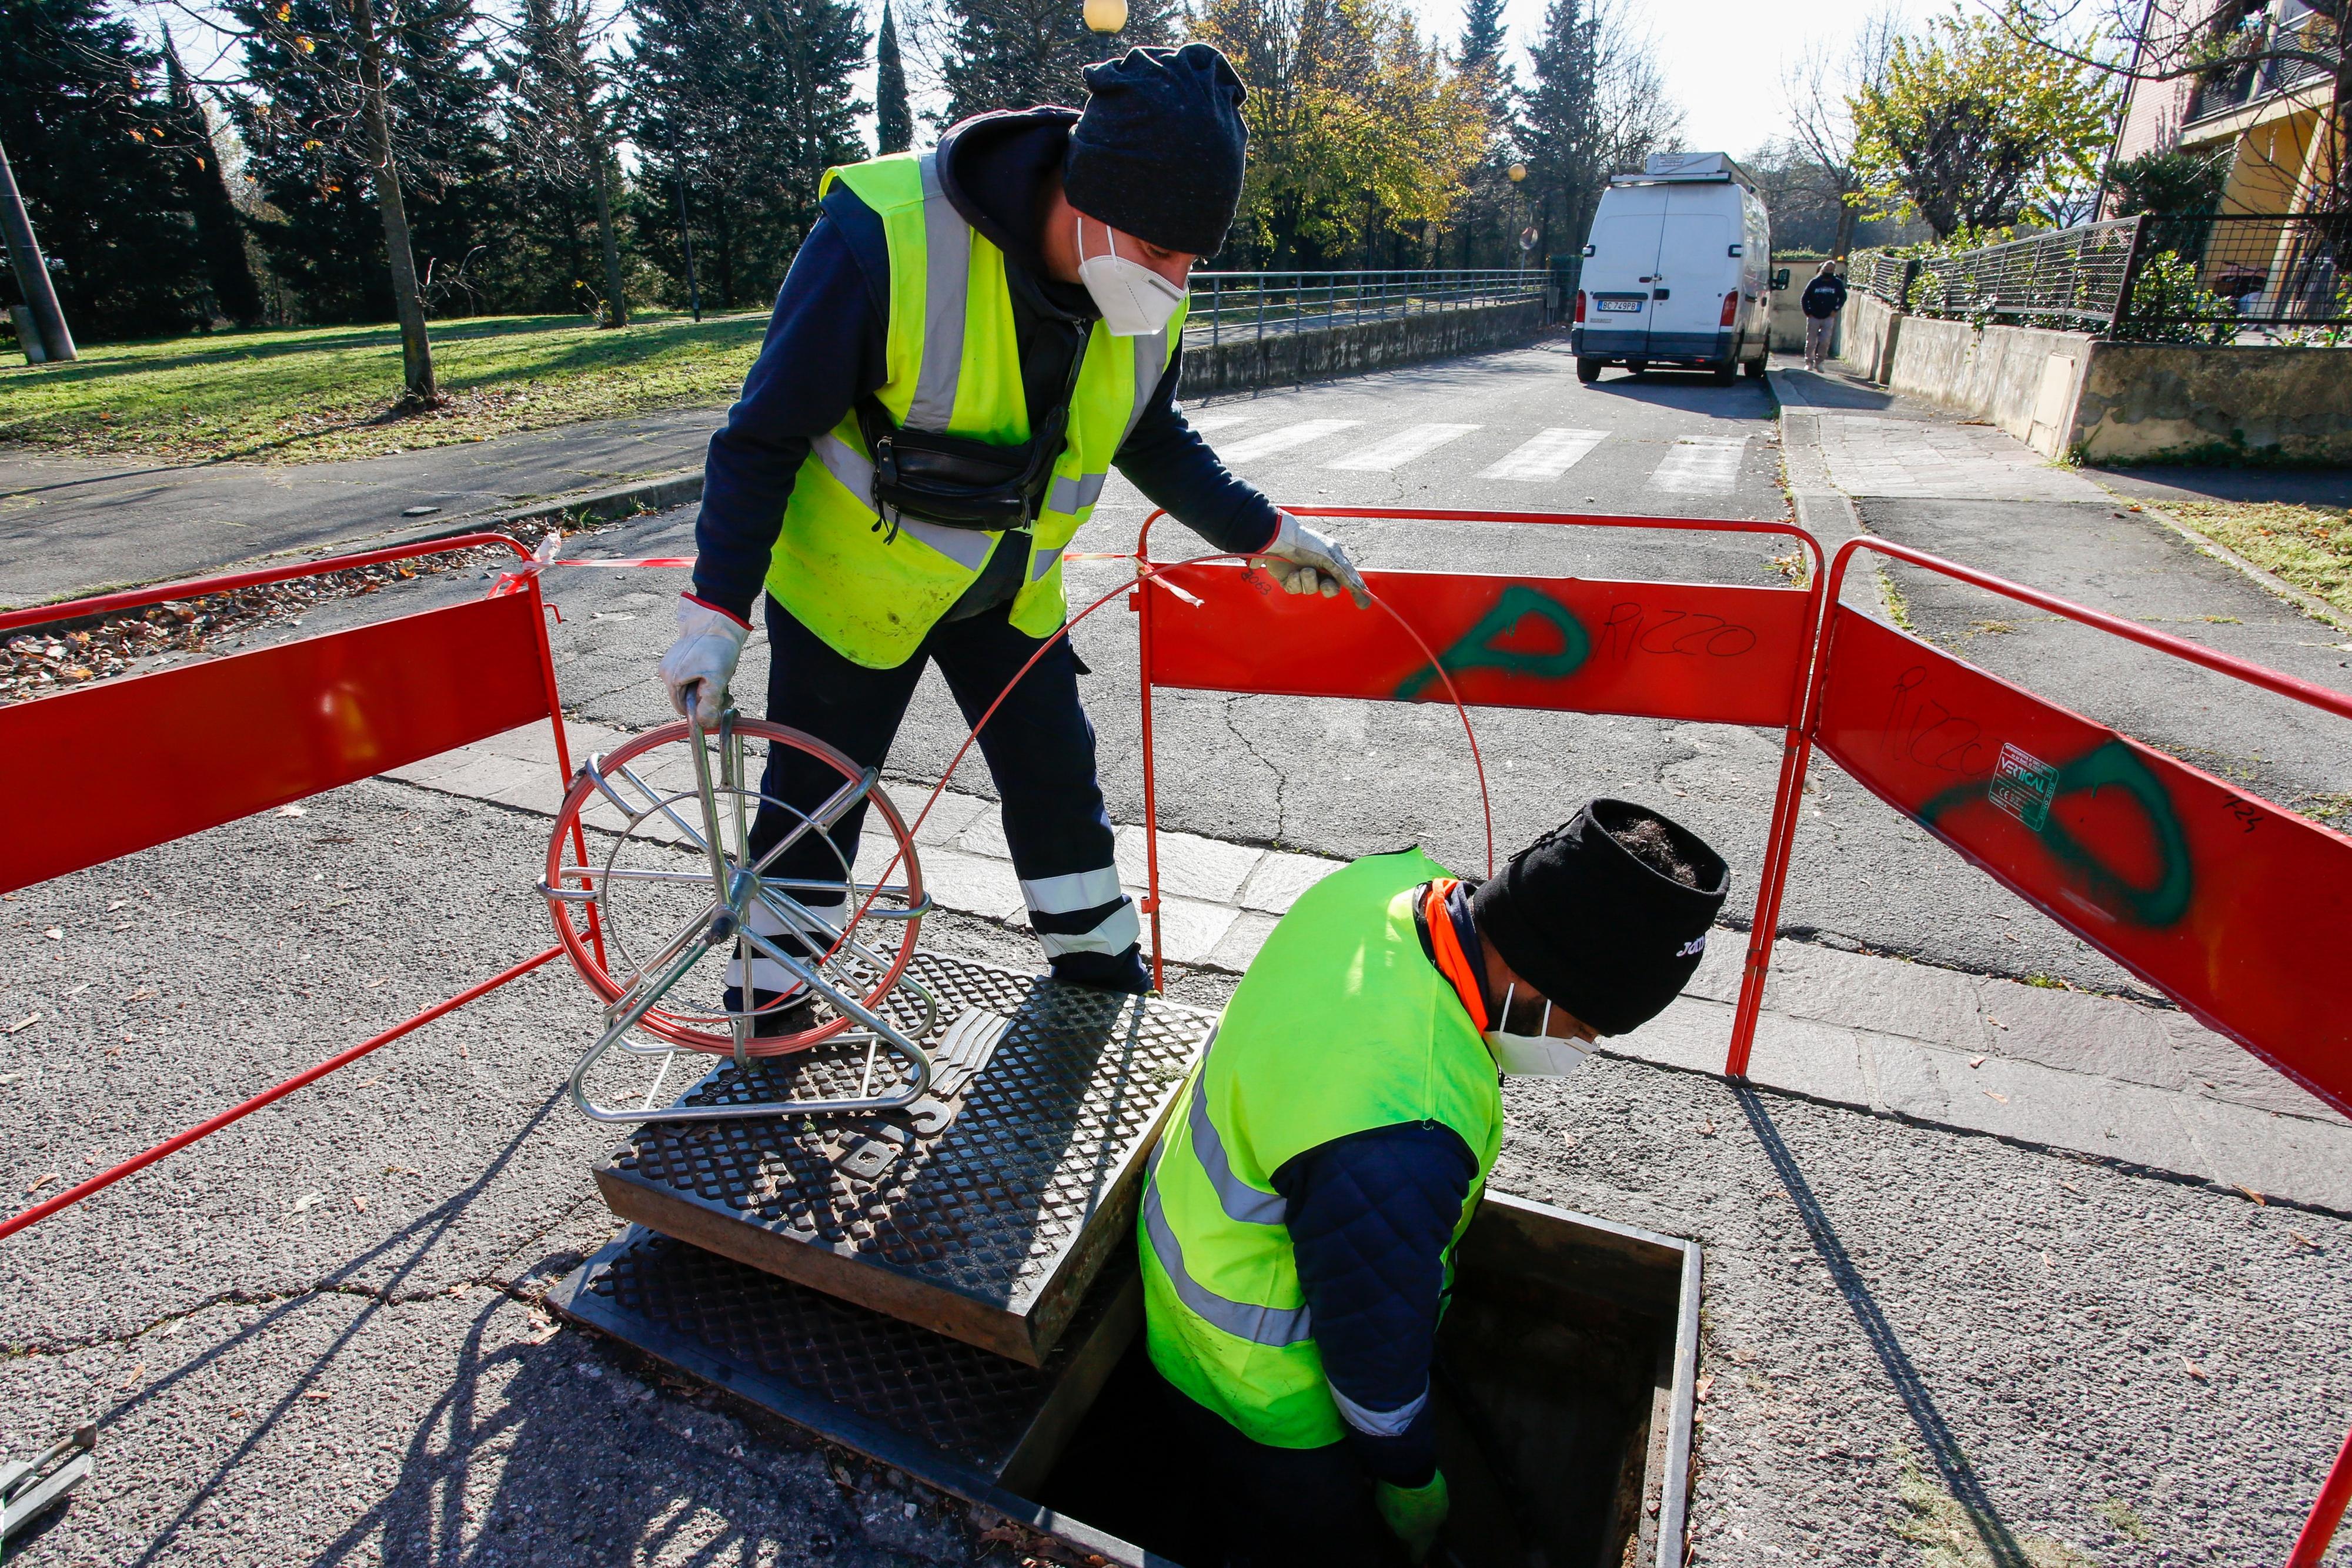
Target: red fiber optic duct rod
x,y
174,1143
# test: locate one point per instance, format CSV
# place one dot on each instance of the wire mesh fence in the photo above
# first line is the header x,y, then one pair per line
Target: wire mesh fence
x,y
1243,306
2234,278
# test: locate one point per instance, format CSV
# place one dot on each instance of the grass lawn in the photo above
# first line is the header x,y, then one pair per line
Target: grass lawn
x,y
308,394
2310,546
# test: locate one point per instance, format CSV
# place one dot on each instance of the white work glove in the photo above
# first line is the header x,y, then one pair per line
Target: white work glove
x,y
702,661
1304,562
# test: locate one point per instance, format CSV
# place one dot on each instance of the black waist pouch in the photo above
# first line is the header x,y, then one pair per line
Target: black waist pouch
x,y
955,482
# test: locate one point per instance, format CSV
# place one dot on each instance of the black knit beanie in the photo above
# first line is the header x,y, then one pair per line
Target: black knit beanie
x,y
1158,150
1583,920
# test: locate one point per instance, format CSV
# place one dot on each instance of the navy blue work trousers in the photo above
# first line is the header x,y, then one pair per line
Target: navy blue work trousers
x,y
1039,747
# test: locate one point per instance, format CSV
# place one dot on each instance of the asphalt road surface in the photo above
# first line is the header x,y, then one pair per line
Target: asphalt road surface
x,y
316,1336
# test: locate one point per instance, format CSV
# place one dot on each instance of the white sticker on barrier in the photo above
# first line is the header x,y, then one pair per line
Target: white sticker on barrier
x,y
2023,786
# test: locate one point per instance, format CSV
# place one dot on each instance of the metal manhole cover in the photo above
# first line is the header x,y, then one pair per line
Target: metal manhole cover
x,y
984,1214
857,1377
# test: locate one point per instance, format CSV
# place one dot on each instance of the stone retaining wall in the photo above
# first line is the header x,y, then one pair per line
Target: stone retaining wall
x,y
1352,349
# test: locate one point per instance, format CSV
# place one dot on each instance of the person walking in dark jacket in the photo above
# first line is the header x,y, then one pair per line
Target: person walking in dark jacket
x,y
1823,298
968,340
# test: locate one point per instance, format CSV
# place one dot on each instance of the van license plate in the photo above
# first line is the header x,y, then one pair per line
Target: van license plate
x,y
1632,304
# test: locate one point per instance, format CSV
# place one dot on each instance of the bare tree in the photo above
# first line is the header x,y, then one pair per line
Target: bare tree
x,y
1818,85
2219,52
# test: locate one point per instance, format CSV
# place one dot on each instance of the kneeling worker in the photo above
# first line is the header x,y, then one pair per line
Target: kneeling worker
x,y
968,341
1327,1152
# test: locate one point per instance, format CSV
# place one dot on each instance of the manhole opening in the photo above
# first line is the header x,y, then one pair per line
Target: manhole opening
x,y
1556,1391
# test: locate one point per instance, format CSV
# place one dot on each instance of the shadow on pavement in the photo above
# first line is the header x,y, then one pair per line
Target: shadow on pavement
x,y
2307,486
1828,388
1944,1451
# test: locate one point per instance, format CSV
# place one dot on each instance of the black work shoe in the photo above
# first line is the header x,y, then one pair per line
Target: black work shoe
x,y
1126,972
772,1020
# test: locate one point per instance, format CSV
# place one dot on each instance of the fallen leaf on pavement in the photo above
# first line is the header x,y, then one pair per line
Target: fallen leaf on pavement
x,y
55,934
1976,1060
1706,1128
2250,1192
290,812
41,1183
1704,1385
317,1394
2194,1370
2306,1240
1991,1095
136,1374
308,1201
27,1021
359,1203
2046,1262
78,990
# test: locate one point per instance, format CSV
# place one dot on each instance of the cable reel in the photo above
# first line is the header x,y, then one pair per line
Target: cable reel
x,y
652,846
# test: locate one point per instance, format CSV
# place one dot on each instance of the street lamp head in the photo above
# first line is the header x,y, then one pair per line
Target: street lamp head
x,y
1106,15
1517,173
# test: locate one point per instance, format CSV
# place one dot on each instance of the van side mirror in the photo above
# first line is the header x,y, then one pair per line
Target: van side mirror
x,y
1779,278
1589,249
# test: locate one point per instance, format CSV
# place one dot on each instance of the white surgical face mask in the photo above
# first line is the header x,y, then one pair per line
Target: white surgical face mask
x,y
1135,301
1536,1055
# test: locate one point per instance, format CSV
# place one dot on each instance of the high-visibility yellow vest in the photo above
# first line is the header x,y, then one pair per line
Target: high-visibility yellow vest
x,y
1341,1025
954,367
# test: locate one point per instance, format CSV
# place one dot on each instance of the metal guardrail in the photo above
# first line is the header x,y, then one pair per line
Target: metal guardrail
x,y
1235,306
2282,277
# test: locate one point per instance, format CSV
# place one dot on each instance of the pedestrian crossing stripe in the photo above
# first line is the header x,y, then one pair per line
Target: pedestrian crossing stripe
x,y
1415,440
1283,438
1550,455
1694,466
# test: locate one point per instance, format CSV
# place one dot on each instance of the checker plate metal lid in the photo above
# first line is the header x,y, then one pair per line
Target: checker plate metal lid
x,y
984,1216
858,1378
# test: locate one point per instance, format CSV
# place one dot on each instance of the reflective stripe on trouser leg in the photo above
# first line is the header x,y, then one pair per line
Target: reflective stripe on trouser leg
x,y
767,975
1116,931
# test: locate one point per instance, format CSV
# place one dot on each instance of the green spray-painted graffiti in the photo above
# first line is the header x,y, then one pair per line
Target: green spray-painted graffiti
x,y
1478,649
2110,766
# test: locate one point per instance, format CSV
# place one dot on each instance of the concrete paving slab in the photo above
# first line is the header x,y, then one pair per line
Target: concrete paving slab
x,y
1277,880
1189,865
1240,944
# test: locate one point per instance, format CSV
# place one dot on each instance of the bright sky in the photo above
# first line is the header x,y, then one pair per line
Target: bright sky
x,y
1723,59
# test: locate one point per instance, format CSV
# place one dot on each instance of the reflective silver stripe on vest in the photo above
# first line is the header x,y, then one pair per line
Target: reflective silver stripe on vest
x,y
1070,494
1151,364
1043,562
1239,1199
947,274
968,548
1271,1326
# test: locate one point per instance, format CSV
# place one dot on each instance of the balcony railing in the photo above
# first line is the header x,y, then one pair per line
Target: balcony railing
x,y
2235,87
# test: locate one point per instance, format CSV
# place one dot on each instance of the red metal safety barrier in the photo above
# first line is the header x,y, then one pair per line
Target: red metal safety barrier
x,y
1701,653
2161,866
222,738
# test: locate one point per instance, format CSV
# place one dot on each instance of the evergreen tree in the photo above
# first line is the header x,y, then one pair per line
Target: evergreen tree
x,y
88,138
304,120
1596,105
1011,54
1484,226
746,103
894,118
560,145
220,232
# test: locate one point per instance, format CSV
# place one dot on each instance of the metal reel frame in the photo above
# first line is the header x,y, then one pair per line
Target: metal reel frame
x,y
735,882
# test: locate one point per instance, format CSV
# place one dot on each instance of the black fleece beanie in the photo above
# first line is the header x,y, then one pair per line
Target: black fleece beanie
x,y
1580,917
1159,150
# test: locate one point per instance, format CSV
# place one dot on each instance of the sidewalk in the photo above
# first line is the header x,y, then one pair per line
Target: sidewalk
x,y
70,526
2048,1068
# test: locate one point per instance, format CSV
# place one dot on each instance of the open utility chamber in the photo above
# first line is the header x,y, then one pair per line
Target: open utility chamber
x,y
952,1290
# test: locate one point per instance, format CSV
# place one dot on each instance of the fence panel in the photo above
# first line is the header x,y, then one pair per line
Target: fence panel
x,y
109,770
2174,873
1684,651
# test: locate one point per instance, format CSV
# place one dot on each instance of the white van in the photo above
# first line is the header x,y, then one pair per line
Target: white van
x,y
1676,271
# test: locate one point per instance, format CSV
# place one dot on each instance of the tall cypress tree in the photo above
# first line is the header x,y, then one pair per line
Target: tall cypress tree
x,y
89,138
1568,147
748,100
220,232
894,118
559,141
1010,54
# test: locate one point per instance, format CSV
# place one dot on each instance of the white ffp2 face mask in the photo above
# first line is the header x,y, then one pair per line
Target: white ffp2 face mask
x,y
1536,1055
1135,301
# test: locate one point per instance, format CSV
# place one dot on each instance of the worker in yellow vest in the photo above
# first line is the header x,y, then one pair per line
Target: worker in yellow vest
x,y
1328,1150
966,341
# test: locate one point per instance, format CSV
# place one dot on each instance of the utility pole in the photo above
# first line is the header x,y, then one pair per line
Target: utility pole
x,y
693,294
32,272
